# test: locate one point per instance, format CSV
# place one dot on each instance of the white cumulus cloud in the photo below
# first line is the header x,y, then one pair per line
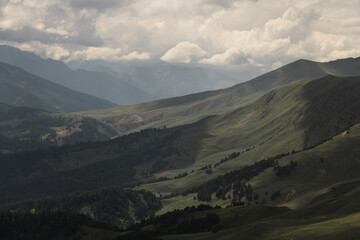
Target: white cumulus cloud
x,y
91,53
136,56
183,52
238,32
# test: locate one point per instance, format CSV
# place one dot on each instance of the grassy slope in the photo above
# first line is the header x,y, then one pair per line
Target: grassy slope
x,y
86,166
20,88
261,222
25,128
181,110
313,181
286,119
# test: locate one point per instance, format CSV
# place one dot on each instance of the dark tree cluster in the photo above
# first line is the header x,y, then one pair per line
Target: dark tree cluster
x,y
43,226
240,190
206,167
109,205
236,181
176,222
230,157
275,195
286,170
223,184
160,179
181,175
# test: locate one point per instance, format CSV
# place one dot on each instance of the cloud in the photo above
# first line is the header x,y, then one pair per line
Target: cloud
x,y
53,51
231,56
184,52
225,3
92,53
238,32
136,56
98,5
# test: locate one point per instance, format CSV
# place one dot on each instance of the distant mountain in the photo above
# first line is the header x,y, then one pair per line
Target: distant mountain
x,y
169,81
98,84
163,80
189,108
20,88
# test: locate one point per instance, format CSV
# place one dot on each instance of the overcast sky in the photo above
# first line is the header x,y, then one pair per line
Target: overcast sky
x,y
221,32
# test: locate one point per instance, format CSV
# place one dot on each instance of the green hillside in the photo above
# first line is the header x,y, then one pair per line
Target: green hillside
x,y
27,129
256,222
124,161
293,118
186,109
20,88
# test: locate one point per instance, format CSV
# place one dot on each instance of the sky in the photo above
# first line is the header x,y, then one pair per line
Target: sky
x,y
243,33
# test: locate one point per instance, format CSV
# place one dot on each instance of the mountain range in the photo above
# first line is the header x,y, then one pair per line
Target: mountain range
x,y
94,83
164,80
20,88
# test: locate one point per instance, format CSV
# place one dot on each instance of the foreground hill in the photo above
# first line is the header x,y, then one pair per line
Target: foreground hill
x,y
113,205
180,110
124,161
27,129
98,84
20,88
312,222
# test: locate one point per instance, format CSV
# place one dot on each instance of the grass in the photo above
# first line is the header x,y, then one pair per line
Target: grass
x,y
264,222
273,127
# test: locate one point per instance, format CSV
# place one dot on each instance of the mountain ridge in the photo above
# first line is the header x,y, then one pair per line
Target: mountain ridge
x,y
186,109
98,84
21,88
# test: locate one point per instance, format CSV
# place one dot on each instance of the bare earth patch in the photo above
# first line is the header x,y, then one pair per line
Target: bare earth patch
x,y
61,131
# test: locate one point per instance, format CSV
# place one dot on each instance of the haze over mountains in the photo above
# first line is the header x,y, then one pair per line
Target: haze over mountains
x,y
98,84
165,80
20,88
126,84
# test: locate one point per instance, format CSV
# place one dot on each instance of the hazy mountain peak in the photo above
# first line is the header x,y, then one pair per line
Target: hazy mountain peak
x,y
94,83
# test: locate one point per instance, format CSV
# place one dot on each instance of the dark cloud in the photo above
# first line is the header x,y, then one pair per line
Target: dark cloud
x,y
99,5
225,3
28,34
